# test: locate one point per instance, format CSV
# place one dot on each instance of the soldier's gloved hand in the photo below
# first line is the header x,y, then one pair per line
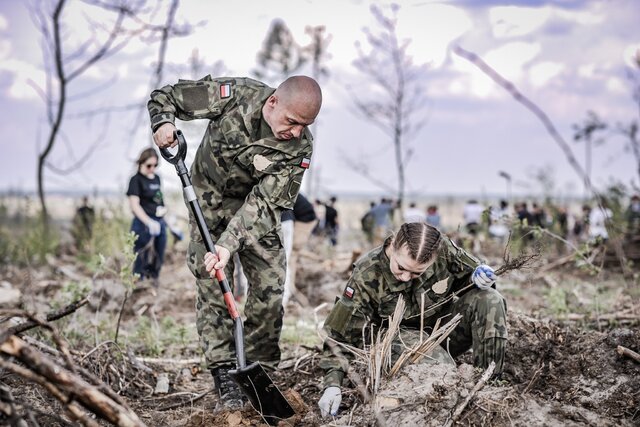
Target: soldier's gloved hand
x,y
330,401
163,136
154,227
213,262
483,277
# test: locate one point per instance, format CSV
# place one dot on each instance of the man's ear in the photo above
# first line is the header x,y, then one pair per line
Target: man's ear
x,y
272,101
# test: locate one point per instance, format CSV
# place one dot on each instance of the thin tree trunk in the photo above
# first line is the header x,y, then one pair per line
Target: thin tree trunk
x,y
42,158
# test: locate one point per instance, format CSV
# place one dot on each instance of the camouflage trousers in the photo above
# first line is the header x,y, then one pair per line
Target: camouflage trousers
x,y
483,328
264,266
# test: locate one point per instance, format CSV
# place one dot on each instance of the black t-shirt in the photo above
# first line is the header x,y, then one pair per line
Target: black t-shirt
x,y
330,217
303,210
287,215
149,192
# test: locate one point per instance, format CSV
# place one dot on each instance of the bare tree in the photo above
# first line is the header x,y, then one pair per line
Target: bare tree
x,y
586,132
531,106
162,34
398,101
280,55
65,63
630,131
317,53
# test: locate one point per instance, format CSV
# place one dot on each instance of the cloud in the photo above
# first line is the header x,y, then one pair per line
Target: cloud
x,y
615,84
542,72
631,56
3,23
432,27
512,21
24,75
508,59
5,49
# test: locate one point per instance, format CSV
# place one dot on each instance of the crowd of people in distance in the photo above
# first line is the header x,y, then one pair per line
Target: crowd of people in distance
x,y
496,221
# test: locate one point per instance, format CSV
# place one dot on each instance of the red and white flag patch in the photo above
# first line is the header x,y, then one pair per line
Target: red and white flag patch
x,y
225,90
349,291
305,163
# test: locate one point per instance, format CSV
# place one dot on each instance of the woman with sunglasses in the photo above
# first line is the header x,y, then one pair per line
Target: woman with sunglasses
x,y
417,263
147,205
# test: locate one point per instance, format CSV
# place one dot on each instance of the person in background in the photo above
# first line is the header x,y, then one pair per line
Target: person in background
x,y
82,224
581,224
382,220
304,221
599,218
538,216
417,261
331,221
633,216
367,223
321,211
413,214
472,214
433,216
147,205
287,221
499,217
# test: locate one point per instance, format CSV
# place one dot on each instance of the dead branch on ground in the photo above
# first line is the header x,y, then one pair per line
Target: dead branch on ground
x,y
186,402
624,351
54,315
460,409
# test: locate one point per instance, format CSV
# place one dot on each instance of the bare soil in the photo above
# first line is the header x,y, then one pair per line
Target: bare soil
x,y
562,367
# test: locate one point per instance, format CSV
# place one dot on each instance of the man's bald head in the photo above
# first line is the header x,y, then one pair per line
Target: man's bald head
x,y
293,106
302,94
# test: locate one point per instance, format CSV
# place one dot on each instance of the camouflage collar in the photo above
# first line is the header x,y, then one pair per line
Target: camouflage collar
x,y
253,114
393,284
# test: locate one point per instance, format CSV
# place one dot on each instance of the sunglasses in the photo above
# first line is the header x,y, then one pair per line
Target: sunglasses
x,y
150,165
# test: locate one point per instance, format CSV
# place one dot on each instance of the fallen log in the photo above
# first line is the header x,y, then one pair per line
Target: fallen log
x,y
70,384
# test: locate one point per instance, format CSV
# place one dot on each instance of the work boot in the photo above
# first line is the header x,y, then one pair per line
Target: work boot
x,y
231,397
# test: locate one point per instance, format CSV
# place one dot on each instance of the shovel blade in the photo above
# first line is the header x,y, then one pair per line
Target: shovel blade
x,y
263,394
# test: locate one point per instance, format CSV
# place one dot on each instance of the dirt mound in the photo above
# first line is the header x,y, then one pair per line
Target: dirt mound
x,y
554,376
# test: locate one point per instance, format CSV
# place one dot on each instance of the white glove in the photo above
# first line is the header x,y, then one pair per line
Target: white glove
x,y
330,401
483,277
154,227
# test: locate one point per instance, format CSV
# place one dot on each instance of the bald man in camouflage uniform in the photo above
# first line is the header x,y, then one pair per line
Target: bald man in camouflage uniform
x,y
372,292
247,169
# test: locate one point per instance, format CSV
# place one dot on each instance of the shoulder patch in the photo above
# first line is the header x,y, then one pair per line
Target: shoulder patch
x,y
225,90
305,163
440,287
349,292
260,162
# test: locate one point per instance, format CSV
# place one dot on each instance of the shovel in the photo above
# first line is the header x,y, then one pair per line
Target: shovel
x,y
254,382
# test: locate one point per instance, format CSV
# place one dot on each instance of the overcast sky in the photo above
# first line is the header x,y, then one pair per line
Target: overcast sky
x,y
567,56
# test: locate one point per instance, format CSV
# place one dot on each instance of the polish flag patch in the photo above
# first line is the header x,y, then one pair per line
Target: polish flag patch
x,y
305,163
348,292
225,90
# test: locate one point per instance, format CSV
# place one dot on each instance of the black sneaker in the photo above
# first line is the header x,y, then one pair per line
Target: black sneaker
x,y
231,397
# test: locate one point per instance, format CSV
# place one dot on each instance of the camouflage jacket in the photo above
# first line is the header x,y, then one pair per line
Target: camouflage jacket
x,y
372,292
243,176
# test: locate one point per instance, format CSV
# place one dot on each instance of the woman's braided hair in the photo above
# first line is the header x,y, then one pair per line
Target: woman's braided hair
x,y
422,240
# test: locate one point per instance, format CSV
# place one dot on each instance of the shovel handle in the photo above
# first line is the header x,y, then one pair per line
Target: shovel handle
x,y
191,199
181,154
